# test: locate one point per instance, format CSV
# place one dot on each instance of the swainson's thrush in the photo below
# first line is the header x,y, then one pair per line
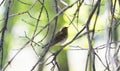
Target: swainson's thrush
x,y
59,38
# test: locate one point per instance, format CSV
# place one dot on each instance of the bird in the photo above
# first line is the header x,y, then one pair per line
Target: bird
x,y
59,38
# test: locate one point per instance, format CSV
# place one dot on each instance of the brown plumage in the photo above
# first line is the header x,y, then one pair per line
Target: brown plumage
x,y
59,38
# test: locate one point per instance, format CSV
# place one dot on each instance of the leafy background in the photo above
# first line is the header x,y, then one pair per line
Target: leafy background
x,y
28,17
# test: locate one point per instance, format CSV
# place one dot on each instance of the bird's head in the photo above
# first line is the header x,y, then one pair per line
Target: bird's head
x,y
65,29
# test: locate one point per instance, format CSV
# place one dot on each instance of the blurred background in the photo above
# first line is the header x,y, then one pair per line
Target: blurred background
x,y
93,33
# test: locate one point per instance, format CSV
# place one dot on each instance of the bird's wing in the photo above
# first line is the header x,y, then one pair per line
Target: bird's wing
x,y
57,38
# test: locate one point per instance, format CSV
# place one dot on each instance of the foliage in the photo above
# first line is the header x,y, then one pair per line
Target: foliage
x,y
27,26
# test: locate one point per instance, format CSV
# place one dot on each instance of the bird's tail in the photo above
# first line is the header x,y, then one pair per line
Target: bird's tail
x,y
47,45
